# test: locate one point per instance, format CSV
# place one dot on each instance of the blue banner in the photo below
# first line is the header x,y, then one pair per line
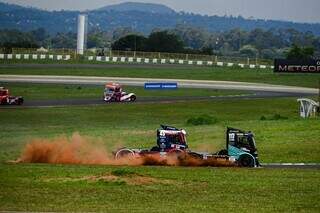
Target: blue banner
x,y
160,86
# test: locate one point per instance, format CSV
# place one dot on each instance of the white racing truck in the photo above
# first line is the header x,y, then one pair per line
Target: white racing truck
x,y
113,93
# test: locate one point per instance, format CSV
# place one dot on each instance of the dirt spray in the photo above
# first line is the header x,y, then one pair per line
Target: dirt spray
x,y
81,150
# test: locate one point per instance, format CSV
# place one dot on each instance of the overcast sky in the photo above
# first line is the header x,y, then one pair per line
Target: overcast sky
x,y
292,10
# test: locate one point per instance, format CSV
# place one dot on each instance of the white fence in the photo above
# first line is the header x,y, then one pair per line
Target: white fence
x,y
108,59
172,61
34,57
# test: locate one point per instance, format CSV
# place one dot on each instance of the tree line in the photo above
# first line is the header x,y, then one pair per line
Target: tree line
x,y
259,43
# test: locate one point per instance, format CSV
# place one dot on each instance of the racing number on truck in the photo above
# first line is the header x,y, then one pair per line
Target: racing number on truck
x,y
162,133
231,137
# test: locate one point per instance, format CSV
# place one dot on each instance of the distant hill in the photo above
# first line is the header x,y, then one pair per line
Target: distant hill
x,y
4,7
142,7
139,16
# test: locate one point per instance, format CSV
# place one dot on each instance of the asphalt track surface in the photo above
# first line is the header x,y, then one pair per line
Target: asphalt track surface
x,y
92,102
256,90
291,165
182,83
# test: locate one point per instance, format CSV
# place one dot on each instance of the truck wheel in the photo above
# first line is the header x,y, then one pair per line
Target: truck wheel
x,y
124,153
20,101
3,102
155,149
195,156
133,98
222,152
177,154
246,161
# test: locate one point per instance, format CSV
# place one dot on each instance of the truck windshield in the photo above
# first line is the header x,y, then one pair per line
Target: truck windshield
x,y
175,139
247,141
252,142
108,90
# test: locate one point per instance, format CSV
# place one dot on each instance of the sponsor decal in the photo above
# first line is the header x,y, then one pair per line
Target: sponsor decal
x,y
164,86
297,66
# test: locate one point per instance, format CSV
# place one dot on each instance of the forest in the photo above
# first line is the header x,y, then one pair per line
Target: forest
x,y
258,43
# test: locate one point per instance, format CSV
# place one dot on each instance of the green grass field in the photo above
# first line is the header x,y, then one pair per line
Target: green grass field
x,y
200,73
84,188
73,188
284,140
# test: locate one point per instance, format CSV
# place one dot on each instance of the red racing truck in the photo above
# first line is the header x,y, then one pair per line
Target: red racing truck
x,y
6,99
240,147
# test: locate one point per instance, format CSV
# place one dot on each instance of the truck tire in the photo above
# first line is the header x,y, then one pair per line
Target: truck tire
x,y
20,101
133,98
178,154
223,152
195,156
124,153
3,101
155,149
246,161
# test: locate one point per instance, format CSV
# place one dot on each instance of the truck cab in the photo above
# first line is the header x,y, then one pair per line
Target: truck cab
x,y
112,91
6,99
241,146
171,139
4,94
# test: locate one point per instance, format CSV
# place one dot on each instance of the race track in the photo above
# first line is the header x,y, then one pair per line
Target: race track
x,y
291,165
251,90
204,84
97,101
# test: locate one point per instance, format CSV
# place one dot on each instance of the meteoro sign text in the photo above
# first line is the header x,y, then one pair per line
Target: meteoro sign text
x,y
301,66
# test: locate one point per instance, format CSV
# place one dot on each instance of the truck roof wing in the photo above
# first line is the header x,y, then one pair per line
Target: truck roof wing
x,y
165,127
112,85
231,129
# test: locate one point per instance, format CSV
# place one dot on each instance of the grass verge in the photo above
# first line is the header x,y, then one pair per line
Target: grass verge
x,y
67,188
133,125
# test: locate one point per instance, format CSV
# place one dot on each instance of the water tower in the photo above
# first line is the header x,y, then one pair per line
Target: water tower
x,y
82,33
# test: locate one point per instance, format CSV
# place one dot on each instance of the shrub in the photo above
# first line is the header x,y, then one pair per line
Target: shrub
x,y
274,117
202,120
278,117
263,118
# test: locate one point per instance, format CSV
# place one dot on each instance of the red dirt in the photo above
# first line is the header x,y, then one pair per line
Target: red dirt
x,y
80,150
